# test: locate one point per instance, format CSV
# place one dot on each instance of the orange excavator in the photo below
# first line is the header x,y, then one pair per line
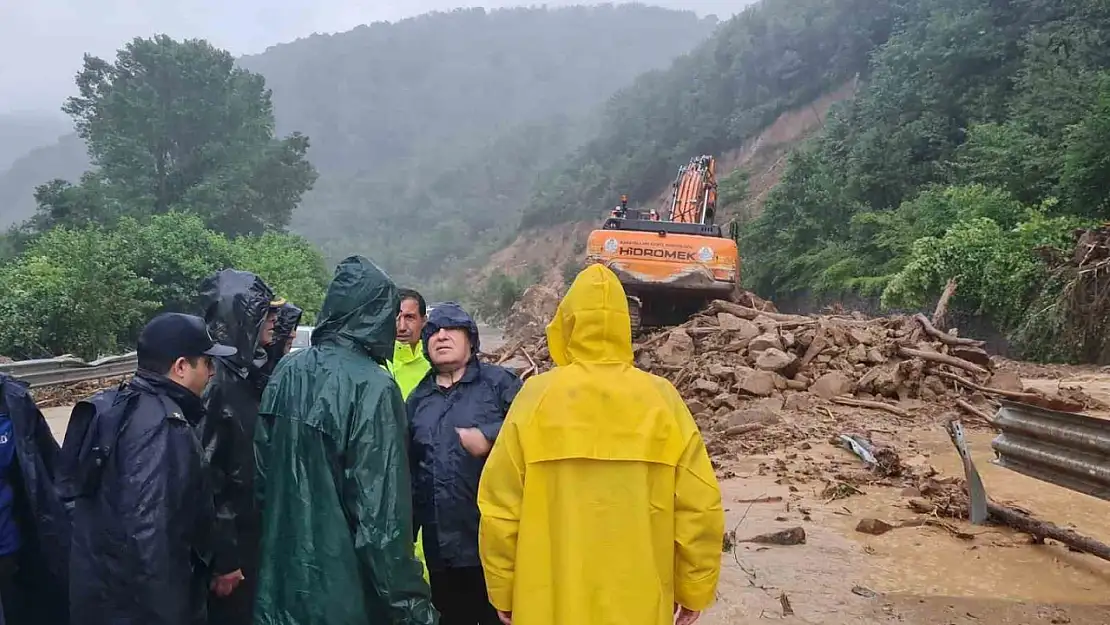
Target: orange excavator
x,y
671,265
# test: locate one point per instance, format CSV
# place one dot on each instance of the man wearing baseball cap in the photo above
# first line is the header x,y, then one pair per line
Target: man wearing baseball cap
x,y
143,508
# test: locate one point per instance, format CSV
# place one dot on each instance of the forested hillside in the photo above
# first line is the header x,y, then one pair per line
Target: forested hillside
x,y
22,132
773,57
976,144
428,133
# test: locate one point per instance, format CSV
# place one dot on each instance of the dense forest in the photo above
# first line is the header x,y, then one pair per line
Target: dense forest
x,y
428,133
975,146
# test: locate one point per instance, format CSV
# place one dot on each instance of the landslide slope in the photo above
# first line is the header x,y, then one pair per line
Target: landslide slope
x,y
973,145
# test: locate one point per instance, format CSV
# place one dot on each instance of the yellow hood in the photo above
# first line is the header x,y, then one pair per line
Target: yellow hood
x,y
592,323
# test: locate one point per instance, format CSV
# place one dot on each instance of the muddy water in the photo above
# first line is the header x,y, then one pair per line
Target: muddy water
x,y
909,575
998,563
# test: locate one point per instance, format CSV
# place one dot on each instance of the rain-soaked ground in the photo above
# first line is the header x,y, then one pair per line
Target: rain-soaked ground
x,y
912,575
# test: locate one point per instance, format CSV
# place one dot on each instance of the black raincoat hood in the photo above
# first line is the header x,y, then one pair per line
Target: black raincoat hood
x,y
451,316
235,304
285,327
360,309
285,330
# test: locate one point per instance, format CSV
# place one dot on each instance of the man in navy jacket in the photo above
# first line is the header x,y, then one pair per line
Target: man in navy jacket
x,y
455,414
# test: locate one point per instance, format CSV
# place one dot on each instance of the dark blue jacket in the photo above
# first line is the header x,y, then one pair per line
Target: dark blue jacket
x,y
445,475
43,520
9,528
140,537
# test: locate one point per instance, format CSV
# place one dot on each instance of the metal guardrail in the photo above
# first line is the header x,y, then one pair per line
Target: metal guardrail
x,y
1062,448
69,369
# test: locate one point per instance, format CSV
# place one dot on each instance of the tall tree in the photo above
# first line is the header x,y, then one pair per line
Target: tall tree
x,y
175,125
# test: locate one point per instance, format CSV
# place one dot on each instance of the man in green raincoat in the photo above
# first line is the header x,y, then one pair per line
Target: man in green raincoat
x,y
332,471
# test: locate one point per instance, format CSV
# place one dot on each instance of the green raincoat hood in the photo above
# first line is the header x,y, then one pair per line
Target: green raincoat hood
x,y
360,309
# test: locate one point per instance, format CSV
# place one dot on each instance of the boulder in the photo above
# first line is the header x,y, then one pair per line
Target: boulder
x,y
831,385
678,349
774,359
758,383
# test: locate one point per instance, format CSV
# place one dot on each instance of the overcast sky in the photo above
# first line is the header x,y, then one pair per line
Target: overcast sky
x,y
42,41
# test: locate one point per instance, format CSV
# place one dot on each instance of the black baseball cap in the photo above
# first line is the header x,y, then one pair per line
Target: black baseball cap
x,y
170,336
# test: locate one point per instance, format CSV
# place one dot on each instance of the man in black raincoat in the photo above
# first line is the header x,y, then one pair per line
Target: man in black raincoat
x,y
285,330
332,471
34,591
239,310
143,508
455,414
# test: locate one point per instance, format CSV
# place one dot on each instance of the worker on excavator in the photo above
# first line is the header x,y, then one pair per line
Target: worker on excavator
x,y
598,501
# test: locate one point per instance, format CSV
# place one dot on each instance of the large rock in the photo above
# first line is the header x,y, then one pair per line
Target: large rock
x,y
765,341
1006,381
678,349
758,383
717,370
972,354
774,359
707,386
764,414
728,321
831,385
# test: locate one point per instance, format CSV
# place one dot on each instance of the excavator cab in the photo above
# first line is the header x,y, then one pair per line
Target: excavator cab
x,y
672,264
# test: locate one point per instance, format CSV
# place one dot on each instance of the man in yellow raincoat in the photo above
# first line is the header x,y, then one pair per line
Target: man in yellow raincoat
x,y
409,366
598,502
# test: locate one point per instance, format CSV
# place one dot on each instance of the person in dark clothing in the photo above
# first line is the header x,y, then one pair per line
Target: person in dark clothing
x,y
34,525
455,414
285,330
10,538
141,531
332,471
239,309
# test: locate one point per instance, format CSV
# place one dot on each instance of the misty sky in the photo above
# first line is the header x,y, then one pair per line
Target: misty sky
x,y
42,41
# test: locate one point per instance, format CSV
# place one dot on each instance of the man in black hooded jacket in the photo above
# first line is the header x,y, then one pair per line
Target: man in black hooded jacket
x,y
143,510
239,309
285,330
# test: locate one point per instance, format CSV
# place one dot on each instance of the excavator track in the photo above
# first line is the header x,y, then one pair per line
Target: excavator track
x,y
634,313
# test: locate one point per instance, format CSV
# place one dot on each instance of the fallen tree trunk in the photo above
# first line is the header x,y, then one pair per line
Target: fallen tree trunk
x,y
942,304
719,305
975,412
943,359
1041,530
1028,398
864,403
944,337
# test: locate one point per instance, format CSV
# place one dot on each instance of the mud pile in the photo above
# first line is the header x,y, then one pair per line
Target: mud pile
x,y
732,360
531,313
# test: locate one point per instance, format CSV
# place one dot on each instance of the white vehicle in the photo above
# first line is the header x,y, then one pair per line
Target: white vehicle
x,y
302,339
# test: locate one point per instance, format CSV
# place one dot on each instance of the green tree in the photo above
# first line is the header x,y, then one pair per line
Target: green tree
x,y
176,125
71,291
292,267
89,290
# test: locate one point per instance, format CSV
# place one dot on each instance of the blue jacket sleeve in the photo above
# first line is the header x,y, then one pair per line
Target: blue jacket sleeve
x,y
506,386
